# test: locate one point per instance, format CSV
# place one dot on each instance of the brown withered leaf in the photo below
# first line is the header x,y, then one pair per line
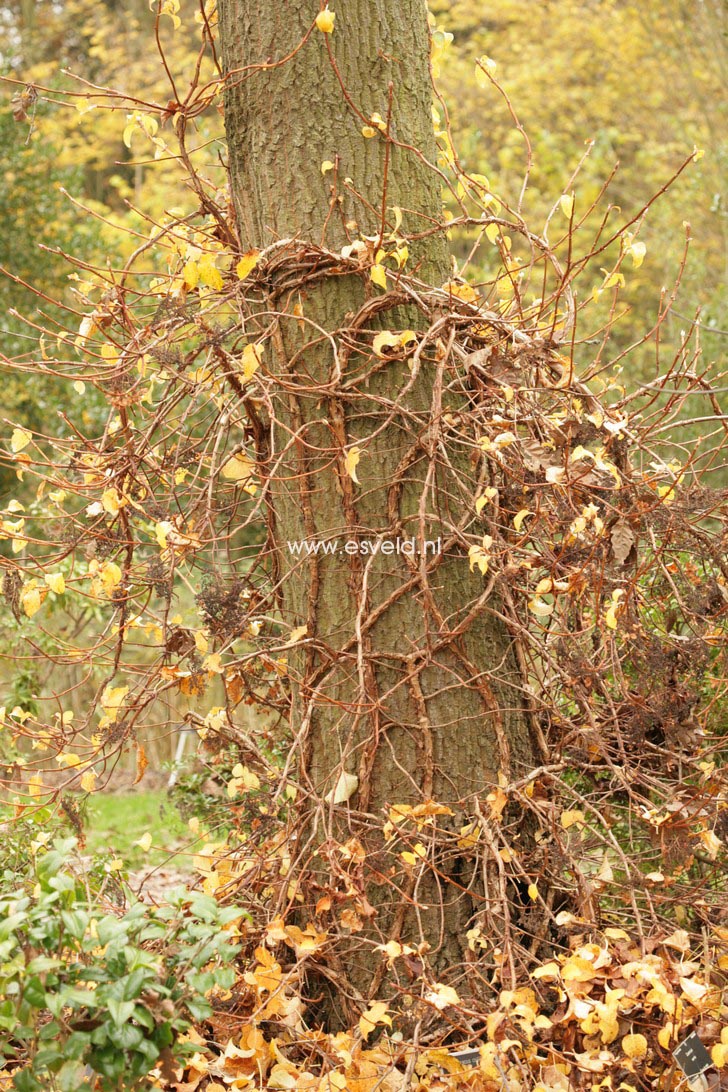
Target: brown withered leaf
x,y
142,763
194,685
497,369
234,687
623,541
22,102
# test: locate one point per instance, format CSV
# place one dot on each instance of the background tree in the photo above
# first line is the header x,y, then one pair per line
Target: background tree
x,y
591,78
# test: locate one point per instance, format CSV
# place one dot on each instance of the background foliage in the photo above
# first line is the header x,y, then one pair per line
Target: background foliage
x,y
644,85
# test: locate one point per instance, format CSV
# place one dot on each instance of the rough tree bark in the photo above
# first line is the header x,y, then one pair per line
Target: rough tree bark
x,y
421,698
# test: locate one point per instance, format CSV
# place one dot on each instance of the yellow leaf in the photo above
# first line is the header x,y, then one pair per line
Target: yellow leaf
x,y
88,781
295,635
480,181
486,63
55,582
566,201
251,361
533,892
665,1036
304,941
497,801
548,970
68,760
378,275
611,615
492,232
111,501
388,340
666,493
111,701
351,462
335,1081
35,786
615,280
31,598
209,273
243,780
463,291
161,530
719,1054
637,253
344,789
368,132
86,327
129,128
326,166
238,468
634,1046
375,1014
191,274
569,818
392,949
694,991
400,255
109,352
247,264
325,21
442,996
605,873
282,1077
554,475
213,663
577,969
711,843
144,842
20,439
106,577
385,340
519,518
480,555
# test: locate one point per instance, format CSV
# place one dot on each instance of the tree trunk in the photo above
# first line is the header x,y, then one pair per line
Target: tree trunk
x,y
406,678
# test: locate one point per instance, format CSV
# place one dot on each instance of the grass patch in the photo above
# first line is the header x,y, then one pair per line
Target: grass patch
x,y
115,821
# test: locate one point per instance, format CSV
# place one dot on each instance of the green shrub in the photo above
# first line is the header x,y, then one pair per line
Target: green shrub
x,y
89,994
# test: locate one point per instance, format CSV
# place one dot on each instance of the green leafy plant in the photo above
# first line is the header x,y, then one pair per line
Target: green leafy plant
x,y
92,999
